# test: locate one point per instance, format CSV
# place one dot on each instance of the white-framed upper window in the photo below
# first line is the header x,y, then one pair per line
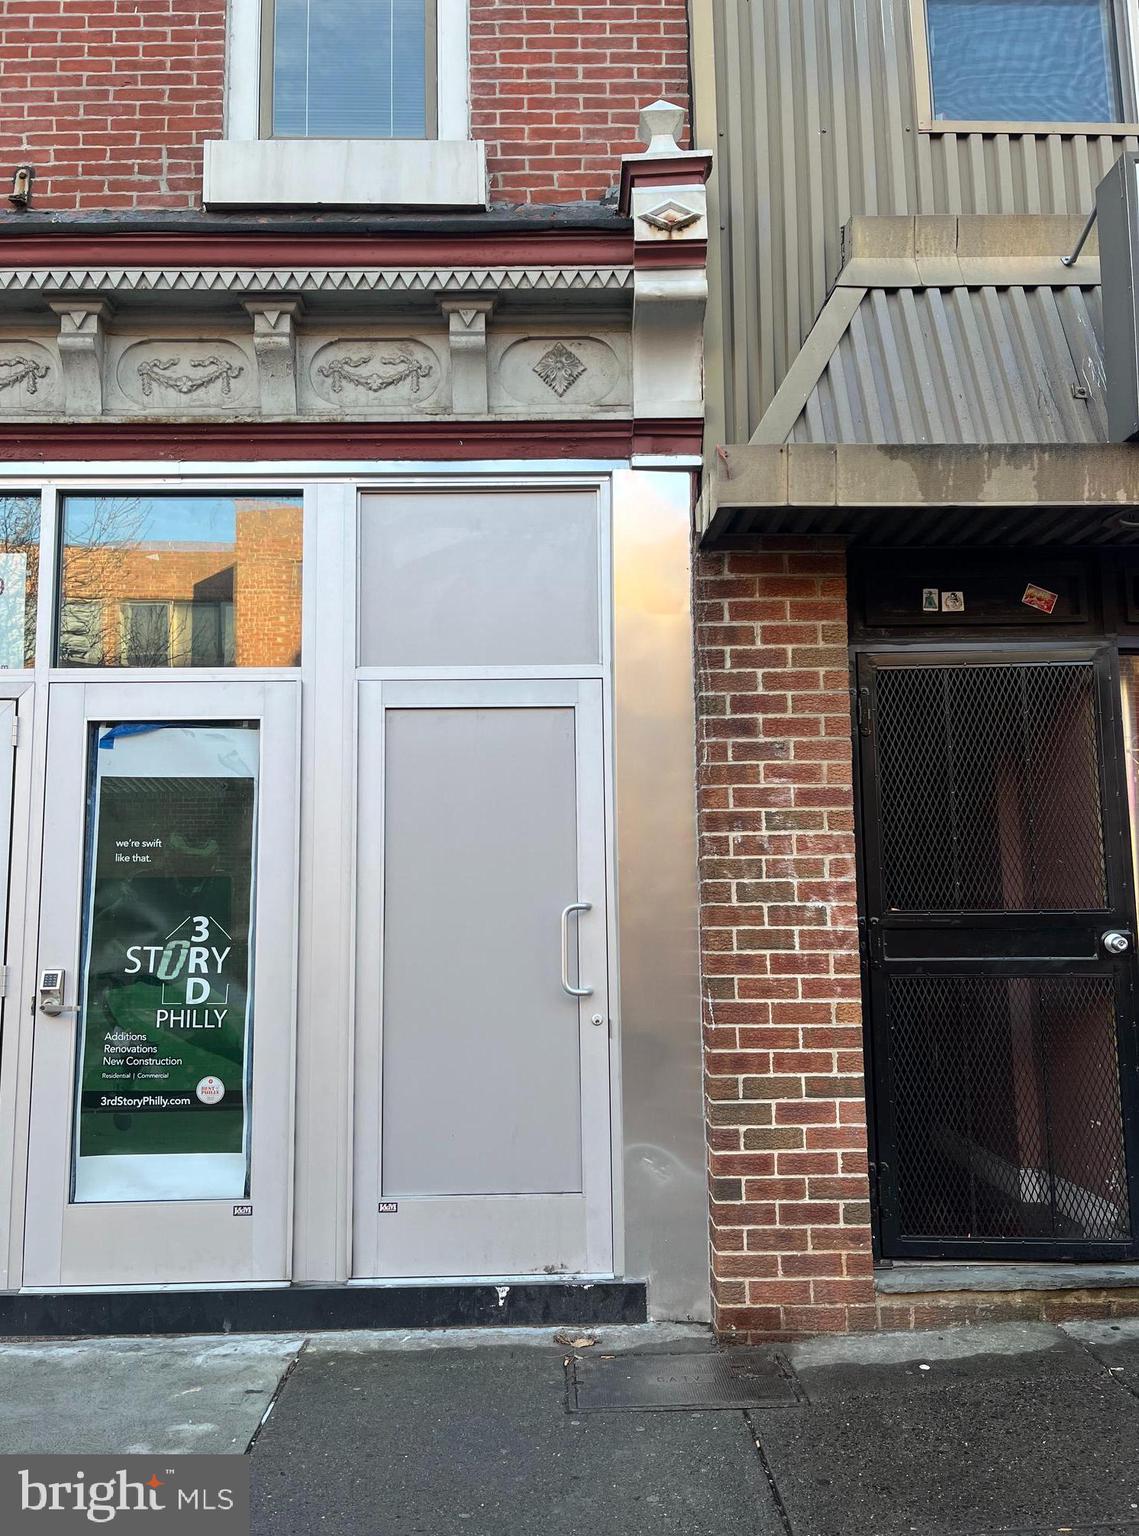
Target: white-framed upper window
x,y
1049,64
348,69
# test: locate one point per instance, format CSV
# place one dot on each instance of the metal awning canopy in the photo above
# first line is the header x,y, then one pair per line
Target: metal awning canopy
x,y
904,494
953,390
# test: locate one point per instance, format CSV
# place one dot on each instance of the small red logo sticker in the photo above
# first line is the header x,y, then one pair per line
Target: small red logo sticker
x,y
1040,598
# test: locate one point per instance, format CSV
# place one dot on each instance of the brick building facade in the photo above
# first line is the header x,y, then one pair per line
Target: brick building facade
x,y
388,323
112,100
782,991
434,320
796,1241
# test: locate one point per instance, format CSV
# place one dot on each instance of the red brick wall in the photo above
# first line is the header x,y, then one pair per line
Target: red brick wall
x,y
556,86
790,1218
267,585
111,100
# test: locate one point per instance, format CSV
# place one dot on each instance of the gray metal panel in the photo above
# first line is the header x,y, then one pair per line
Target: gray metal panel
x,y
481,1073
815,101
498,579
1116,209
666,1192
964,365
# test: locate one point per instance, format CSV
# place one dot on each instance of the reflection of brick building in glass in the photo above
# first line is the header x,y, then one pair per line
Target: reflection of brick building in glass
x,y
129,600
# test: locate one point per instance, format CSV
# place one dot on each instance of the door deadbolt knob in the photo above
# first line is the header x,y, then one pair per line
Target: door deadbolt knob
x,y
1116,943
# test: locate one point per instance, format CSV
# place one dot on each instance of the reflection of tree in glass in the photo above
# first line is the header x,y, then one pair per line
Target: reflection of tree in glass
x,y
96,546
158,581
19,578
134,596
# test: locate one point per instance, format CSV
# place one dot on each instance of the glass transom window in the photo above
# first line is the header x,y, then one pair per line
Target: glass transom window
x,y
351,69
1028,61
19,578
180,581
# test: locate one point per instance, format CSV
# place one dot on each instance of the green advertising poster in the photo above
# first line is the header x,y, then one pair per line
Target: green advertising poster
x,y
166,1004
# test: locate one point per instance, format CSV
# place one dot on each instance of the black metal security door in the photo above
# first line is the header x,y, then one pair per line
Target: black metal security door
x,y
1000,954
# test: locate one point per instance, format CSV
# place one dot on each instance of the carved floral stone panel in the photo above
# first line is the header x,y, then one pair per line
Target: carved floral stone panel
x,y
552,373
375,375
170,377
549,373
30,378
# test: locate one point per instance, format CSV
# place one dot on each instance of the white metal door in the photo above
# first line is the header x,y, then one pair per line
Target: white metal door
x,y
161,1092
7,798
482,1099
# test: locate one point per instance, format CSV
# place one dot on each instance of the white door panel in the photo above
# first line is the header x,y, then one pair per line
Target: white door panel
x,y
161,1096
482,1103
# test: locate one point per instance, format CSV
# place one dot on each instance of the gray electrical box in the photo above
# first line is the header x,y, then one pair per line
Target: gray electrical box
x,y
1117,218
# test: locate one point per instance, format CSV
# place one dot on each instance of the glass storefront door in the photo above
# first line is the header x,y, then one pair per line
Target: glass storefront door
x,y
162,1066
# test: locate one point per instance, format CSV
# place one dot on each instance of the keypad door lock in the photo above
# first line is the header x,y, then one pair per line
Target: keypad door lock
x,y
51,993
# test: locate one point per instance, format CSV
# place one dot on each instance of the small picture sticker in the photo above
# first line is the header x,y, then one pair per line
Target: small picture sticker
x,y
953,602
930,599
1040,598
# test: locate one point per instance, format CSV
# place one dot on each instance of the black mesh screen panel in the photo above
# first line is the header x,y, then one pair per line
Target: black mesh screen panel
x,y
989,789
1007,1115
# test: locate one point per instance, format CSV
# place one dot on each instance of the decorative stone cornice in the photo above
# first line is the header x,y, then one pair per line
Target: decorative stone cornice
x,y
306,280
343,327
275,346
466,334
663,191
82,332
281,361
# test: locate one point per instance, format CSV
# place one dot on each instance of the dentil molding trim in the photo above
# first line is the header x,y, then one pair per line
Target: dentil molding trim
x,y
301,280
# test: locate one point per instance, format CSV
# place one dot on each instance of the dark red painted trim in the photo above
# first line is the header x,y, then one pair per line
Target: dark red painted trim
x,y
676,435
657,254
679,171
250,443
548,248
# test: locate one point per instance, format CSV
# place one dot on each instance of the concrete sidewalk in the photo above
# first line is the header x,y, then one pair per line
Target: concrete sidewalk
x,y
1019,1427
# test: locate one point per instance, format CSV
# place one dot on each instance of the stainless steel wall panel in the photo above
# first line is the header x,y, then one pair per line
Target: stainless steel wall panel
x,y
665,1184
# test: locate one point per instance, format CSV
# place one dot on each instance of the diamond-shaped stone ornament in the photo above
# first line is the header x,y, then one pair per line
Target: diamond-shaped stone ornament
x,y
671,216
559,368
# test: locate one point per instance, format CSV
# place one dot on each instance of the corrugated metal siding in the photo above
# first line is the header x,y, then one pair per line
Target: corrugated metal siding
x,y
964,365
815,105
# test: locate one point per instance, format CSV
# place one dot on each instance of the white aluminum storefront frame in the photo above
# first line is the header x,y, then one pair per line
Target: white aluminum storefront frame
x,y
660,1208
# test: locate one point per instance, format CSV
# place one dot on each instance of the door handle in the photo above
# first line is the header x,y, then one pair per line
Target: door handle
x,y
1116,942
574,906
50,999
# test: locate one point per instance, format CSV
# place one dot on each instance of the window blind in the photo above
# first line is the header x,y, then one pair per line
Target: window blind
x,y
349,69
1030,61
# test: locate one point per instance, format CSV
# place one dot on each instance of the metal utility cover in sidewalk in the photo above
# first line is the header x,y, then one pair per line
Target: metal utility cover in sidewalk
x,y
741,1379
